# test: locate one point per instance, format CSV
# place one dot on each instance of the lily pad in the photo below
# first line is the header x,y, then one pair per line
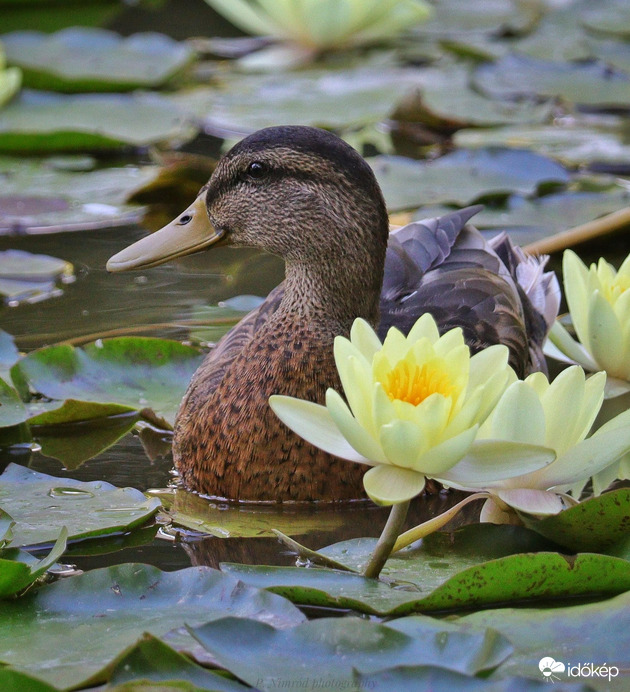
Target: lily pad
x,y
40,504
479,173
461,570
139,372
607,17
595,633
151,660
9,354
446,100
47,195
14,680
591,84
268,658
571,145
97,615
247,103
25,277
89,59
594,524
19,569
43,122
12,410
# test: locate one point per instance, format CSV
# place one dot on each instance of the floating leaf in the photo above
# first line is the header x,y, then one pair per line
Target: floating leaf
x,y
477,565
12,410
597,633
47,195
409,184
594,524
9,354
587,84
247,103
40,504
88,59
31,278
14,680
154,661
140,372
264,656
68,631
571,145
607,17
42,122
19,569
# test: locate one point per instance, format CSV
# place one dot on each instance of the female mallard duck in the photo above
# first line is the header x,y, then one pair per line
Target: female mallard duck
x,y
306,195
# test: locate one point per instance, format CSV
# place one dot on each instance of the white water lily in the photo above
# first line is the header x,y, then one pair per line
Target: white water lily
x,y
556,415
10,80
414,407
599,302
317,25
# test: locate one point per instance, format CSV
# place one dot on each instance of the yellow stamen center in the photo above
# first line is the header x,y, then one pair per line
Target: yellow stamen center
x,y
415,383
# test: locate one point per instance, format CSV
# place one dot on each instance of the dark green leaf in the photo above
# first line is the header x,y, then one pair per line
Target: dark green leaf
x,y
12,410
67,632
140,372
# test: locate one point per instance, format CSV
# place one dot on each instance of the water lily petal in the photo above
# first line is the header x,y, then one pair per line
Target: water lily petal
x,y
564,342
497,463
562,403
605,336
589,457
365,339
356,435
491,513
486,363
388,485
402,442
314,423
519,416
575,279
594,389
424,328
537,502
445,455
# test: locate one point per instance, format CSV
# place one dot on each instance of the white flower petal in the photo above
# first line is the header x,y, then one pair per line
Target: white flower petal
x,y
605,340
439,459
537,502
491,513
365,339
519,416
314,423
424,328
402,442
574,351
388,485
575,276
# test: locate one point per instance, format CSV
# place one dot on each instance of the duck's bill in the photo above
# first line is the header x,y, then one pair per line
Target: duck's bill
x,y
190,232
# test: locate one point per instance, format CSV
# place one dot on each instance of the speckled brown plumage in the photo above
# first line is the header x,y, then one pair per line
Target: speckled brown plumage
x,y
307,196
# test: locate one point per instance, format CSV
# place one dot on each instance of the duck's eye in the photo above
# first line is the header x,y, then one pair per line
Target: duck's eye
x,y
186,218
256,170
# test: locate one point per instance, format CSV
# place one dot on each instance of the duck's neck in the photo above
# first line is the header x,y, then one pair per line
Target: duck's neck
x,y
335,291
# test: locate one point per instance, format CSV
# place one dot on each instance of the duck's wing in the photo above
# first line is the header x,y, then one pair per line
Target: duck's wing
x,y
230,345
465,284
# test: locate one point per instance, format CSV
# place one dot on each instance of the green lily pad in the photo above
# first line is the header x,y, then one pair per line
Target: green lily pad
x,y
558,37
14,680
89,59
588,84
47,195
597,633
408,184
477,565
40,504
607,17
573,145
139,372
264,656
594,524
9,354
67,632
43,122
446,99
19,569
28,277
151,660
246,103
12,410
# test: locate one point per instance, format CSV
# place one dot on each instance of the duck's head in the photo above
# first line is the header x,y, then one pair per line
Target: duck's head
x,y
298,192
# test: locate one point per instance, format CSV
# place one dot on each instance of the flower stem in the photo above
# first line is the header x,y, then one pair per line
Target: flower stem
x,y
387,540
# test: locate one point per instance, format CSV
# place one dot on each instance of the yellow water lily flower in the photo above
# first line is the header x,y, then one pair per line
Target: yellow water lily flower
x,y
414,405
556,415
599,302
323,24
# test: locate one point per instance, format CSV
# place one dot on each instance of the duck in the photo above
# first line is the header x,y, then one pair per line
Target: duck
x,y
306,195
